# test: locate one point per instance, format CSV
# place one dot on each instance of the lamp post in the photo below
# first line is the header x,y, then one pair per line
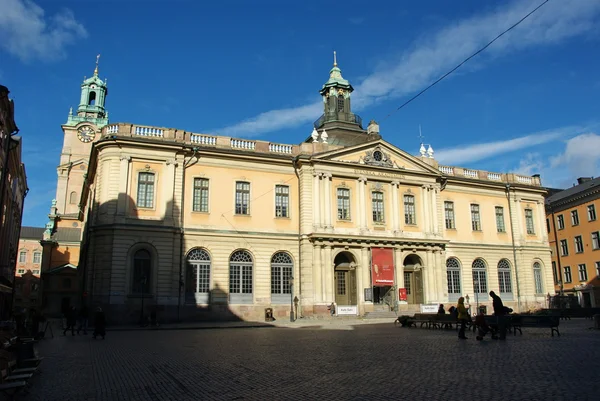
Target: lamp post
x,y
143,285
291,299
477,289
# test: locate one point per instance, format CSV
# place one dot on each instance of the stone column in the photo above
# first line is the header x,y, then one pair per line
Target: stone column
x,y
328,274
362,207
317,274
541,212
327,177
365,270
122,205
399,271
434,210
395,207
519,229
425,208
316,200
442,279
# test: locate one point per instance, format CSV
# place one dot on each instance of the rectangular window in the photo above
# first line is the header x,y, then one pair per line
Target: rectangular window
x,y
537,278
282,201
449,215
480,281
548,225
36,271
578,244
582,272
280,281
453,277
596,240
567,274
555,273
200,195
529,221
504,283
145,193
377,201
597,268
574,218
560,222
500,219
37,258
475,218
242,197
341,282
409,210
22,257
591,209
343,203
21,271
564,247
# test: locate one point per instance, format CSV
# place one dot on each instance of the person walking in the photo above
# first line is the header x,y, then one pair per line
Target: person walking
x,y
71,317
83,320
463,316
500,312
99,324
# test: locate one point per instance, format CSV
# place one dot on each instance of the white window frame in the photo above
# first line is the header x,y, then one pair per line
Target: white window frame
x,y
282,201
567,274
343,204
410,214
475,217
378,207
241,277
198,195
538,281
595,240
500,225
22,256
582,272
560,222
578,244
480,273
564,247
39,257
529,225
449,216
200,263
574,217
505,278
282,271
244,194
591,212
453,278
144,203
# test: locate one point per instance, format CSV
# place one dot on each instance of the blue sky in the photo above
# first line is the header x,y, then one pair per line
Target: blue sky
x,y
528,104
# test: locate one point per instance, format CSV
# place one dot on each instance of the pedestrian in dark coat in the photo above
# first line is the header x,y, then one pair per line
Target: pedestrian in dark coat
x,y
99,324
499,311
71,317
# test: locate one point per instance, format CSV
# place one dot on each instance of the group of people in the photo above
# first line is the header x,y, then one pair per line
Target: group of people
x,y
80,319
462,315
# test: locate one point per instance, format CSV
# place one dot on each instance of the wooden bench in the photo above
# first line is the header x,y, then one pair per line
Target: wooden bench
x,y
540,321
427,319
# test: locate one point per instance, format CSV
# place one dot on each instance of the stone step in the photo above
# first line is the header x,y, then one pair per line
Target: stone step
x,y
380,315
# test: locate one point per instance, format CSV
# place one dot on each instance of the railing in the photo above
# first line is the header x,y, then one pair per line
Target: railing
x,y
280,148
335,116
112,129
446,170
494,176
243,144
149,131
470,173
524,180
203,139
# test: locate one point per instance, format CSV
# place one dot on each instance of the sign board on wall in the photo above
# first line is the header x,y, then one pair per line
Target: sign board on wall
x,y
347,310
382,266
402,296
430,308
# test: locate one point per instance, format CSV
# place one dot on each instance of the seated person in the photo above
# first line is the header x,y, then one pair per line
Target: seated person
x,y
483,328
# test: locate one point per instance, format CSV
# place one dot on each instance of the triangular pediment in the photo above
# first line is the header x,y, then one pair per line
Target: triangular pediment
x,y
378,154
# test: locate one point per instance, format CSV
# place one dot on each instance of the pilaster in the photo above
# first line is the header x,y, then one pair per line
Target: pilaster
x,y
123,184
365,270
328,221
362,207
395,208
328,270
425,210
316,200
317,274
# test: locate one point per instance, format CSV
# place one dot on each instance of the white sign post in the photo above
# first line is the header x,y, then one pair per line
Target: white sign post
x,y
430,308
347,310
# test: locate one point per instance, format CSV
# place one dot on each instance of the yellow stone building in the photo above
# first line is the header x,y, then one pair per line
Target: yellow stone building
x,y
206,226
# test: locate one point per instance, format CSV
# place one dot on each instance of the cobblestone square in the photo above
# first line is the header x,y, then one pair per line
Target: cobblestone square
x,y
362,362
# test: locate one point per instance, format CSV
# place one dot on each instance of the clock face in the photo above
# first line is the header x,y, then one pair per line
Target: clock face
x,y
86,134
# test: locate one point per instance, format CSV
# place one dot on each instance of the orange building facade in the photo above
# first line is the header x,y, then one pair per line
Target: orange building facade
x,y
574,235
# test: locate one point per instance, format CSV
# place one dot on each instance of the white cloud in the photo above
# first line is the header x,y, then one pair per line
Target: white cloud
x,y
439,52
27,33
580,158
463,154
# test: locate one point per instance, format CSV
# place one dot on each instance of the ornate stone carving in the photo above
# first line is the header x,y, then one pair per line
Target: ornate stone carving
x,y
171,161
377,157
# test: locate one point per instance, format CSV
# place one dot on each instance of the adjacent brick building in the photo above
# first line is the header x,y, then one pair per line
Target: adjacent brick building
x,y
574,235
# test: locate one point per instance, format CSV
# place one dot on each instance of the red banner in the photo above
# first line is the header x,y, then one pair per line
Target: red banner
x,y
382,266
402,294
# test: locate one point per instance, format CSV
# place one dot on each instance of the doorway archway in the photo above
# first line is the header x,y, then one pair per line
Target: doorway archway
x,y
345,279
413,279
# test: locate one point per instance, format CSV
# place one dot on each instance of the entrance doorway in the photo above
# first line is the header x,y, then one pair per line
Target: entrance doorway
x,y
413,279
345,279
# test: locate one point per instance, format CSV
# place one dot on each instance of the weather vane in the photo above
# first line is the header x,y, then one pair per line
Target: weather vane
x,y
421,137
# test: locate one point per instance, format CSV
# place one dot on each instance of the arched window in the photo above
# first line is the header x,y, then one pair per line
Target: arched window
x,y
142,272
537,278
281,274
92,99
340,103
453,274
504,281
240,278
479,277
197,285
73,198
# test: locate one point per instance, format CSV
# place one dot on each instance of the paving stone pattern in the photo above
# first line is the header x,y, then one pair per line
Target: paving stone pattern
x,y
365,362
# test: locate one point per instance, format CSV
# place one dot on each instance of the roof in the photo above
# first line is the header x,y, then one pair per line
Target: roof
x,y
67,234
593,184
60,268
32,232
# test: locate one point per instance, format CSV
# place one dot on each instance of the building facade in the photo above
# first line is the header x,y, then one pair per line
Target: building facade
x,y
574,236
13,189
205,226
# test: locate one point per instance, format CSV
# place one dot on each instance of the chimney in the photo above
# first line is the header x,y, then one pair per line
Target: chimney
x,y
581,180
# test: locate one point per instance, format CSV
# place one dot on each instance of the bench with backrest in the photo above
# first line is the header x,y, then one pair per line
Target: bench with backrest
x,y
445,321
427,319
542,321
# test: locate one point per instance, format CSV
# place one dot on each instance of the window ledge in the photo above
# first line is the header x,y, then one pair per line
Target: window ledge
x,y
199,212
283,218
242,215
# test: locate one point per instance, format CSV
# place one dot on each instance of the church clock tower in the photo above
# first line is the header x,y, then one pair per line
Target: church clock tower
x,y
343,127
80,130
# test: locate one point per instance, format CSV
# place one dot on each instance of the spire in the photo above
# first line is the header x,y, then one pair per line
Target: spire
x,y
96,70
334,59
